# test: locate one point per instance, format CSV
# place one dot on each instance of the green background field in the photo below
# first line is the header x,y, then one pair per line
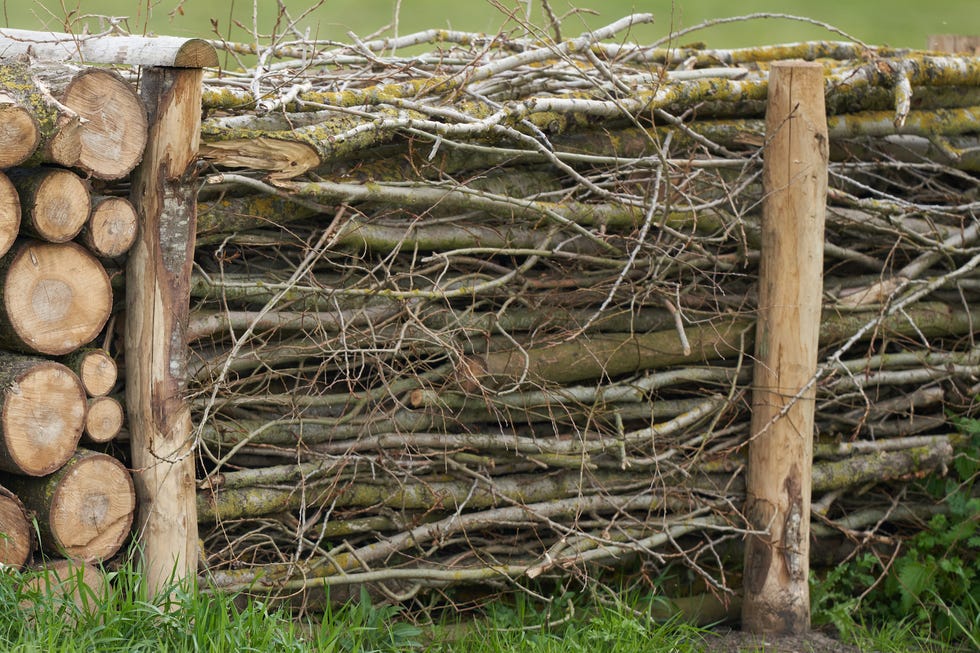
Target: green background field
x,y
903,23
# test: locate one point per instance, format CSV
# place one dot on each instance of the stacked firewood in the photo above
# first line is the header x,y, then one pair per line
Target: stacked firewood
x,y
66,133
485,312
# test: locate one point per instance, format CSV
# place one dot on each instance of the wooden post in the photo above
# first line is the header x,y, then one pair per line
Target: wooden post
x,y
157,306
954,43
777,597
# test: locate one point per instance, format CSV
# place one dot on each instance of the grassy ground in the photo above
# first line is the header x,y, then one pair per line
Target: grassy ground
x,y
896,22
124,618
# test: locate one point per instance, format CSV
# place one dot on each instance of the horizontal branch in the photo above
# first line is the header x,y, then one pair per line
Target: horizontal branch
x,y
109,49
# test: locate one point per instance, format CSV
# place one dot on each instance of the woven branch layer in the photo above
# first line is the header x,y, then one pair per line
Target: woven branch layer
x,y
484,314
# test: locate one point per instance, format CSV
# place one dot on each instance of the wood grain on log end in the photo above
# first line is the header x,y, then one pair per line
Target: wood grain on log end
x,y
95,368
111,230
281,158
42,414
85,509
9,214
68,580
114,122
20,134
196,53
16,536
104,419
55,298
55,203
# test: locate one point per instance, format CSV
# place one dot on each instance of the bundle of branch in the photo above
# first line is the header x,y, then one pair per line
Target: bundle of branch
x,y
484,314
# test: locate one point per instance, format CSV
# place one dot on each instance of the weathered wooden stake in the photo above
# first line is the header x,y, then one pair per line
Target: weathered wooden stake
x,y
777,598
157,305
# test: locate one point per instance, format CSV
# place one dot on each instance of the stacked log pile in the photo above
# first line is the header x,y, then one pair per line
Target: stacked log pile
x,y
67,134
484,313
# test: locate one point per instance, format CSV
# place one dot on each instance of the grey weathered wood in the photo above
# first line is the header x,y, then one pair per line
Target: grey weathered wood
x,y
103,49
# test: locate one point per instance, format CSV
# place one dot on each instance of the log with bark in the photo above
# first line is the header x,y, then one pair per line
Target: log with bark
x,y
54,298
104,419
84,509
113,122
9,214
96,369
16,535
73,582
42,416
19,131
85,118
54,203
112,227
57,133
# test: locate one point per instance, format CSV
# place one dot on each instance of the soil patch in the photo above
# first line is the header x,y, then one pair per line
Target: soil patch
x,y
735,641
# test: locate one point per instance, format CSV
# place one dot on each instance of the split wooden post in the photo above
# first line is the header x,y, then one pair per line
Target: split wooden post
x,y
778,487
157,306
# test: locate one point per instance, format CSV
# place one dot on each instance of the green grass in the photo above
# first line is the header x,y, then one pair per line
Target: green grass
x,y
125,618
624,626
904,23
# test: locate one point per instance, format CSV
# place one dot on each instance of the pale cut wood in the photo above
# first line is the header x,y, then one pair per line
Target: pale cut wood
x,y
158,302
16,536
19,132
85,509
80,582
104,419
54,298
954,43
778,481
111,229
96,369
104,49
9,214
55,203
42,414
89,118
113,122
34,87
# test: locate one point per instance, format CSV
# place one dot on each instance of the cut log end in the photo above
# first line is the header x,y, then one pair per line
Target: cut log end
x,y
104,419
56,298
114,123
91,508
111,230
42,415
55,203
9,214
19,133
196,53
16,536
96,369
78,582
64,147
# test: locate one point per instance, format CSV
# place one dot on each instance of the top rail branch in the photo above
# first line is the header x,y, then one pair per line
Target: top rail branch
x,y
165,51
